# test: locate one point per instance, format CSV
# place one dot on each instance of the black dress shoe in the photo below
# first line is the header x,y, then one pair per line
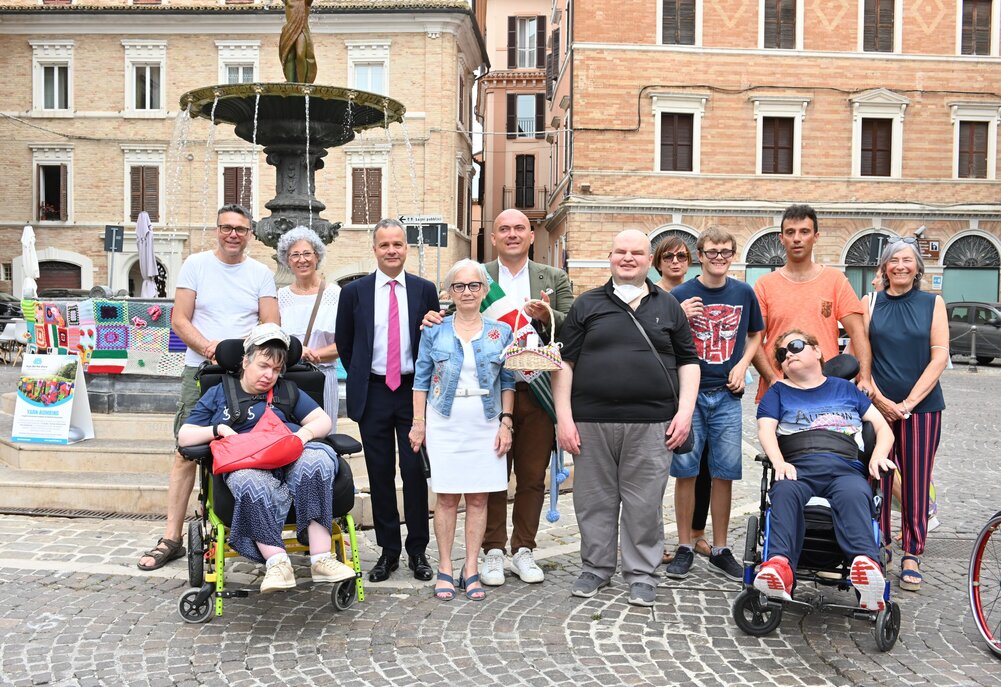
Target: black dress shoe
x,y
422,569
383,567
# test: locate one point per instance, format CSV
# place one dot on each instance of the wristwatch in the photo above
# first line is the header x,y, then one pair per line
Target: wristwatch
x,y
215,431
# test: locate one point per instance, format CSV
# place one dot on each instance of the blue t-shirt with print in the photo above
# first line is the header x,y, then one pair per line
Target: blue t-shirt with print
x,y
211,410
720,332
836,405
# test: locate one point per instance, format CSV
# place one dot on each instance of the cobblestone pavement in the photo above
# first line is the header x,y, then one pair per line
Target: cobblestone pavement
x,y
74,610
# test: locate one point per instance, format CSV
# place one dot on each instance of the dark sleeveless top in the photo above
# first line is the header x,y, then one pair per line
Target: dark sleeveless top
x,y
900,336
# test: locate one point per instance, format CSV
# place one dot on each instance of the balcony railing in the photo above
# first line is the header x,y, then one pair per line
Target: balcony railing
x,y
525,197
526,127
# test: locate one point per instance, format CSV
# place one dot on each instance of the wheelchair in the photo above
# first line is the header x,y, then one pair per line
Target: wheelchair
x,y
207,545
821,562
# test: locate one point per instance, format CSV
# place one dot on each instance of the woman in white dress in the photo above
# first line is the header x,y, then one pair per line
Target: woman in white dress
x,y
302,250
463,399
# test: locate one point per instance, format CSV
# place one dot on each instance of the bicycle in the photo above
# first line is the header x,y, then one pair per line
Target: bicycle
x,y
985,583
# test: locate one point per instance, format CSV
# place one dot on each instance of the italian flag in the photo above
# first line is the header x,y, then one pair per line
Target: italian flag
x,y
497,305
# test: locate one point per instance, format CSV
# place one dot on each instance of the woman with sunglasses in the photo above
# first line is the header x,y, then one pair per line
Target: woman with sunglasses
x,y
810,427
909,335
671,260
463,399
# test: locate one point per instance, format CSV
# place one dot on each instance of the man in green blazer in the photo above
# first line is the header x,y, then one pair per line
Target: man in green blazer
x,y
534,432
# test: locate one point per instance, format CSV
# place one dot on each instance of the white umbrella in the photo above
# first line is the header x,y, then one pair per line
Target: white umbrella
x,y
147,259
29,263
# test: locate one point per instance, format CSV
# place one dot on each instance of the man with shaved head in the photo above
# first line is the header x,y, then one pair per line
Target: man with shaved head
x,y
624,401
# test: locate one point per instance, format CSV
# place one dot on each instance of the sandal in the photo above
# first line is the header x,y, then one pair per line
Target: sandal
x,y
477,594
444,593
705,549
162,556
910,580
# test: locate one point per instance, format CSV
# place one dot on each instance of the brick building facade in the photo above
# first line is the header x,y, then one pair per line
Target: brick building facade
x,y
672,115
90,133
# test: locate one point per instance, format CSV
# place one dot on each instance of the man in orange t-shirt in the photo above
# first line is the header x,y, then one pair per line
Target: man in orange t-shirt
x,y
805,295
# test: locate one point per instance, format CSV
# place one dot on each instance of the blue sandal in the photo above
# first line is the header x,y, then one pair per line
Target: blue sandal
x,y
472,594
910,580
449,593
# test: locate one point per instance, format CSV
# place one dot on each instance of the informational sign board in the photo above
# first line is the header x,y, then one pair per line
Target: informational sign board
x,y
114,238
930,249
434,235
52,405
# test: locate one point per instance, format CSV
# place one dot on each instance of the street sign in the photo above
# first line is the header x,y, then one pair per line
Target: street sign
x,y
929,248
114,235
421,219
434,235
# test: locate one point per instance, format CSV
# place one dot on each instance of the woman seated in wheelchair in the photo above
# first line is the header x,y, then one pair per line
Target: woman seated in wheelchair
x,y
810,427
263,497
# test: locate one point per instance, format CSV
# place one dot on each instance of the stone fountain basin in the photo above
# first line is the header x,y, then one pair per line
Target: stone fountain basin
x,y
281,111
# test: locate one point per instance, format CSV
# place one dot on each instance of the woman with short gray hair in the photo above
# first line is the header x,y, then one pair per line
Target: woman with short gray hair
x,y
909,334
308,308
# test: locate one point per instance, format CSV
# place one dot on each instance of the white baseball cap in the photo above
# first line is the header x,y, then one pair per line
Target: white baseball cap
x,y
265,332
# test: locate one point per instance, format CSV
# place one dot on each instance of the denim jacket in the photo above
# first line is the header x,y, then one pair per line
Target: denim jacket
x,y
439,364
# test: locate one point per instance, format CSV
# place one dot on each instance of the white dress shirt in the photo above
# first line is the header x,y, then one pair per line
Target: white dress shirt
x,y
517,286
381,318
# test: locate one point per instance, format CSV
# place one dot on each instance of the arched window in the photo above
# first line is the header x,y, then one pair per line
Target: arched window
x,y
764,255
694,268
971,270
862,258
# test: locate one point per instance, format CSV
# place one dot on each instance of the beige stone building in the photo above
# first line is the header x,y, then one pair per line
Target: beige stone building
x,y
671,115
511,102
90,132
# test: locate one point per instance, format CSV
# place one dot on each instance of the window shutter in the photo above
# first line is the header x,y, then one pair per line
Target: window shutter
x,y
877,145
374,194
540,42
540,115
676,142
784,127
229,185
670,26
884,25
151,192
979,140
460,204
870,26
787,35
549,76
982,27
245,184
771,24
686,22
135,192
63,194
512,115
512,42
357,196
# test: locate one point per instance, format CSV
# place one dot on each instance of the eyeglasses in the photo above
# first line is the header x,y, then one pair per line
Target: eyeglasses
x,y
671,257
795,346
231,229
459,287
305,255
726,254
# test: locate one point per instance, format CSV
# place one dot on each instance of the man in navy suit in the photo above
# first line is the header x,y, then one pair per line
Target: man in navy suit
x,y
377,335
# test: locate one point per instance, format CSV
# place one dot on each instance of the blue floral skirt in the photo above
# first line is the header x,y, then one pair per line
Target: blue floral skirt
x,y
263,499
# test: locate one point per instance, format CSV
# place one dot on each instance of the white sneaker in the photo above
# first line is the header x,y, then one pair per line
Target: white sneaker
x,y
492,572
331,570
524,566
278,577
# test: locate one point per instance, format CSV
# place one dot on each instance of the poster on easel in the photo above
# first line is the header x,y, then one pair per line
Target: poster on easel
x,y
52,405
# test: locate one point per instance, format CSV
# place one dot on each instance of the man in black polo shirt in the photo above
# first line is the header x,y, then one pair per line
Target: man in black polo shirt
x,y
617,412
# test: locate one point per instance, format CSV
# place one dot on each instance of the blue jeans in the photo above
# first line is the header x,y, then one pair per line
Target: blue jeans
x,y
716,420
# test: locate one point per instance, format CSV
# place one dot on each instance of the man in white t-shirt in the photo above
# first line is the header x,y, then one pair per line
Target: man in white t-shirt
x,y
221,294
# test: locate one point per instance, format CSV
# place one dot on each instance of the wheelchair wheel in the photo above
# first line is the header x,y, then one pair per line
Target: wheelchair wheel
x,y
887,626
753,616
191,611
196,554
344,594
751,542
985,583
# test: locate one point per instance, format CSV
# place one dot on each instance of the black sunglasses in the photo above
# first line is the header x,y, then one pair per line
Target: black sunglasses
x,y
668,257
794,346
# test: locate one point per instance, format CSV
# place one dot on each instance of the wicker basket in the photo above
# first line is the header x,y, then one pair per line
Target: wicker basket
x,y
545,358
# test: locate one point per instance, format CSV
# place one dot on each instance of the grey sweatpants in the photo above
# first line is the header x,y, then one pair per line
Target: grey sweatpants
x,y
619,482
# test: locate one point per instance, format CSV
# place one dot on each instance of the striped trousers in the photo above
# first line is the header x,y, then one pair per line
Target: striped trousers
x,y
915,443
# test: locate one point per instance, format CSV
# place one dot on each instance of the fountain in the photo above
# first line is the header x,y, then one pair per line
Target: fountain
x,y
296,121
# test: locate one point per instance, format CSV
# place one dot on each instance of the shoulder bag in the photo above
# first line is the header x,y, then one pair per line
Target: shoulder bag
x,y
269,445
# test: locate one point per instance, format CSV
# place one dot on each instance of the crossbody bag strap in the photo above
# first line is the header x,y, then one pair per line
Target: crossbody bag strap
x,y
312,315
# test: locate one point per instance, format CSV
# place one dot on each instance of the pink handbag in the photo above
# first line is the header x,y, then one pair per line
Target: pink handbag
x,y
269,445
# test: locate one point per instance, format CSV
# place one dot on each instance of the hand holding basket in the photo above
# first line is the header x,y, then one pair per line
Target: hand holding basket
x,y
545,358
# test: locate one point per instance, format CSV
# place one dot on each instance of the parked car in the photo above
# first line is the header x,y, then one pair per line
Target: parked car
x,y
10,308
59,293
963,315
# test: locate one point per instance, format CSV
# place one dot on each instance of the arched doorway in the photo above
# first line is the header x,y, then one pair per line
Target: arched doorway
x,y
55,274
765,254
694,268
971,270
135,280
862,258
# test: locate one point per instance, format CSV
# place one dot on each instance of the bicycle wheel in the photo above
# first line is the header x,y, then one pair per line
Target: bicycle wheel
x,y
985,583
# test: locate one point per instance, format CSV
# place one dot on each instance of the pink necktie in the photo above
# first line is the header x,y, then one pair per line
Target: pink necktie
x,y
393,345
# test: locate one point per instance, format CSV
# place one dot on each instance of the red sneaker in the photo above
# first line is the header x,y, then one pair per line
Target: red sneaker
x,y
774,579
868,580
